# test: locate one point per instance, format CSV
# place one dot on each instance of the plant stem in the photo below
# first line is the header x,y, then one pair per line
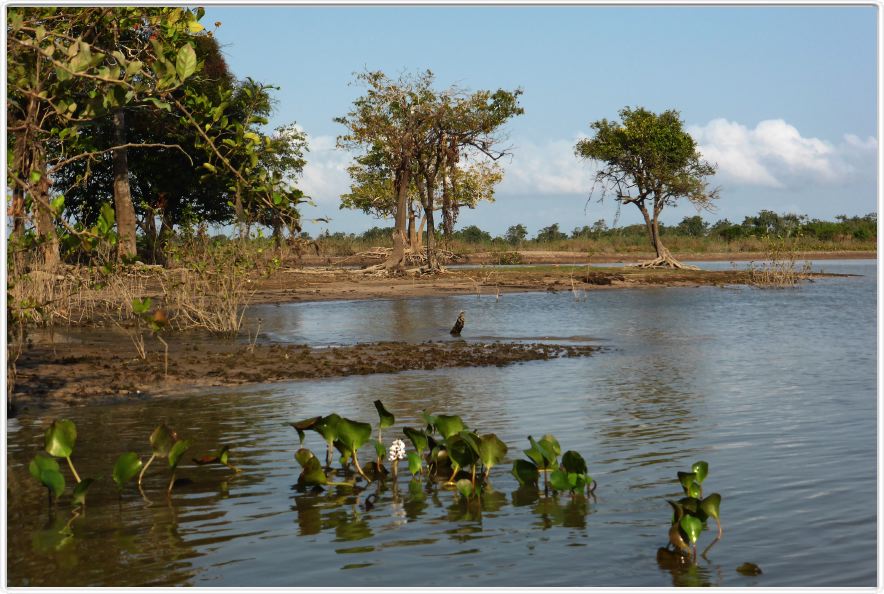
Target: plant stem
x,y
74,470
171,484
474,476
144,469
359,468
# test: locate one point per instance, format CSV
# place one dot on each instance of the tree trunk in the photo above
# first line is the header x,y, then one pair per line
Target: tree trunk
x,y
664,258
412,238
239,211
44,218
123,207
420,233
17,211
447,214
396,261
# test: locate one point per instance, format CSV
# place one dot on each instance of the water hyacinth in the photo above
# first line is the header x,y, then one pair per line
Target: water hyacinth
x,y
396,453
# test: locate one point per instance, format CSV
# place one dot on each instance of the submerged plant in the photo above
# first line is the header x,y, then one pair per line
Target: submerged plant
x,y
325,426
691,512
352,435
312,474
571,475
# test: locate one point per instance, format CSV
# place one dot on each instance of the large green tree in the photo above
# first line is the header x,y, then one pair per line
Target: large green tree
x,y
649,160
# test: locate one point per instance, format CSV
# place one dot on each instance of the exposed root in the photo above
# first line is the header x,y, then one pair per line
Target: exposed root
x,y
666,261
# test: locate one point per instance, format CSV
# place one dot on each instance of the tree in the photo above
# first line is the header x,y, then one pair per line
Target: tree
x,y
649,160
516,234
64,72
550,234
473,234
693,226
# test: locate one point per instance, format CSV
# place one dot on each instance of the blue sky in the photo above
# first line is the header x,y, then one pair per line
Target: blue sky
x,y
782,99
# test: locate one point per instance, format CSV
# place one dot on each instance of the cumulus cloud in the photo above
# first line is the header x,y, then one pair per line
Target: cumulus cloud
x,y
775,154
325,176
546,168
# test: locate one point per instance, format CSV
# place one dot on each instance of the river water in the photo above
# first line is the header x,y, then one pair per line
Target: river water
x,y
776,389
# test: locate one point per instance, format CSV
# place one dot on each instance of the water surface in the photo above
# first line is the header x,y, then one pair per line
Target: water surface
x,y
774,388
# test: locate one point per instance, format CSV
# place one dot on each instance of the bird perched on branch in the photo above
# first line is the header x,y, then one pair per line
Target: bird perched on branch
x,y
458,325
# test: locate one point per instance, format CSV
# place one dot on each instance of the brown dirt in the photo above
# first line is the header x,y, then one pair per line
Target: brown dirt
x,y
107,369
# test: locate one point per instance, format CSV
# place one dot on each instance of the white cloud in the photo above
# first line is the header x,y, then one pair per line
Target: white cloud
x,y
775,154
550,167
325,176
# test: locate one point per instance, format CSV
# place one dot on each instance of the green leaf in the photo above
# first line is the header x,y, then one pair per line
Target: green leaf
x,y
686,478
353,434
551,444
491,450
313,474
177,451
185,62
303,456
694,490
210,167
35,177
525,472
305,425
414,462
463,448
161,440
57,204
141,306
465,488
60,438
711,504
542,453
125,468
573,462
701,469
387,418
379,448
194,27
559,480
46,470
692,527
158,103
79,497
417,437
448,425
327,427
133,68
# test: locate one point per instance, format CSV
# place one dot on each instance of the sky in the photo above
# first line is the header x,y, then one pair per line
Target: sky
x,y
782,99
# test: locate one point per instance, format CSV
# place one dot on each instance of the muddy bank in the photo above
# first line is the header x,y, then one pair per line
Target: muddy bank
x,y
554,257
109,370
322,284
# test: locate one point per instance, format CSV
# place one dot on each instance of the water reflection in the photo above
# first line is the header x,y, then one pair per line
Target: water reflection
x,y
686,573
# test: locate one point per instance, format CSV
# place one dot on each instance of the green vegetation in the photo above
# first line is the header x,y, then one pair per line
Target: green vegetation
x,y
691,512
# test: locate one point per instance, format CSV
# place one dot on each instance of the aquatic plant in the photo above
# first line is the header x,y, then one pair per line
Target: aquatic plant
x,y
161,441
175,454
325,426
125,469
222,457
691,512
352,435
59,441
397,453
569,475
312,474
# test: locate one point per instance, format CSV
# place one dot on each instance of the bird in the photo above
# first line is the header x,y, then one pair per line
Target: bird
x,y
458,325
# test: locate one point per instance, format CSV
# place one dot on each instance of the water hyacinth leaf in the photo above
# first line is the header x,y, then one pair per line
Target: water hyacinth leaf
x,y
692,527
525,472
79,497
46,470
125,468
219,457
448,425
418,438
379,448
460,450
694,490
305,425
353,434
711,504
578,481
552,444
414,463
342,449
677,511
701,469
313,474
690,505
491,450
541,453
161,440
465,487
429,419
177,451
303,456
559,480
573,462
40,463
686,478
387,418
60,438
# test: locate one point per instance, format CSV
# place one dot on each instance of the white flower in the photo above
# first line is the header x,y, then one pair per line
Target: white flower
x,y
397,451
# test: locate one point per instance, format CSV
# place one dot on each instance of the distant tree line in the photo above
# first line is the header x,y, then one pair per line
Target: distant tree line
x,y
765,223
